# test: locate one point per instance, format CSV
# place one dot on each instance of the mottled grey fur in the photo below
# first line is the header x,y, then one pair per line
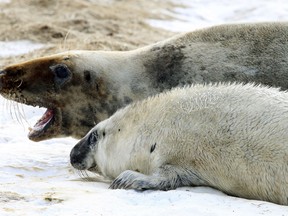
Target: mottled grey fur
x,y
102,82
247,52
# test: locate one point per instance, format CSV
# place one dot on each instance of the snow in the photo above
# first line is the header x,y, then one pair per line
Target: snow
x,y
4,1
204,13
37,179
11,48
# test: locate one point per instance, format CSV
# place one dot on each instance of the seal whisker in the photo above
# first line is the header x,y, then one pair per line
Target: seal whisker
x,y
88,177
79,172
12,108
3,105
16,114
9,104
83,175
65,39
21,81
21,114
6,105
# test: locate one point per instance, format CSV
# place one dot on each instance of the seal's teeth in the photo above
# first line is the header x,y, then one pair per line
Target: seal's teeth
x,y
42,125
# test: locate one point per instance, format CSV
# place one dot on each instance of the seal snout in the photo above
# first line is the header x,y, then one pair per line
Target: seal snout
x,y
2,73
79,156
76,158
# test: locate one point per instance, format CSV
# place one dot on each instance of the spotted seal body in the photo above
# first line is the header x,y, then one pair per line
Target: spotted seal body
x,y
81,88
230,137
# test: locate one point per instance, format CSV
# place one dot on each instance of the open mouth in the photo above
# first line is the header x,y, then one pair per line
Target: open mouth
x,y
42,125
93,168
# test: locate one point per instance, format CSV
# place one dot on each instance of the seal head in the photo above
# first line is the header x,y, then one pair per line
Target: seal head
x,y
82,150
52,82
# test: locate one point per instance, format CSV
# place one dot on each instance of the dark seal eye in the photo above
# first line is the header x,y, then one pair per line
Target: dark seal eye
x,y
93,138
62,74
61,71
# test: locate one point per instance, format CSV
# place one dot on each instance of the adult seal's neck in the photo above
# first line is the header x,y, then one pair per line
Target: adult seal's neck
x,y
119,77
134,75
164,64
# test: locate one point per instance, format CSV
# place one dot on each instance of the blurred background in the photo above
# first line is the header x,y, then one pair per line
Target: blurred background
x,y
81,24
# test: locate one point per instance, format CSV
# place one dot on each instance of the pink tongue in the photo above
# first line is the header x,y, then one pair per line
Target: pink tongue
x,y
45,119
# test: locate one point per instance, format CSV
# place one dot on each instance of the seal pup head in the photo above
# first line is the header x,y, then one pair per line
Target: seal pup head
x,y
81,156
67,85
89,154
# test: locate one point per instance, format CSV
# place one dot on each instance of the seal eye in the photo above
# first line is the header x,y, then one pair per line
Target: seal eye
x,y
61,71
62,74
93,138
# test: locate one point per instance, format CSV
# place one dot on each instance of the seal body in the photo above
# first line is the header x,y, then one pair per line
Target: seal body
x,y
82,88
230,137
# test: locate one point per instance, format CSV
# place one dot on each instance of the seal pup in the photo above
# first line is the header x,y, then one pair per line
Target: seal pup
x,y
230,137
82,88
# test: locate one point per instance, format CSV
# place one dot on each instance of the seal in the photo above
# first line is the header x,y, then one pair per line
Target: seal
x,y
230,137
81,88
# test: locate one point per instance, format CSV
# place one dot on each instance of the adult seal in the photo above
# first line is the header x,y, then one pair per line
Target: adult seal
x,y
230,137
81,88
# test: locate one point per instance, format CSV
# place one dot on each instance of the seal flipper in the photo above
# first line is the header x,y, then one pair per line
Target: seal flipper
x,y
167,177
132,180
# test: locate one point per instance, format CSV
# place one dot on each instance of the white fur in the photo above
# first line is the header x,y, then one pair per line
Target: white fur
x,y
233,137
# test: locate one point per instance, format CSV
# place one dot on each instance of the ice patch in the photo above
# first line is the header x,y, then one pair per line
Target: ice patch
x,y
14,48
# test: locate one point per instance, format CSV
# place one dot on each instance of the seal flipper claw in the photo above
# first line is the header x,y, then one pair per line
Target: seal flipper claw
x,y
123,181
132,180
166,178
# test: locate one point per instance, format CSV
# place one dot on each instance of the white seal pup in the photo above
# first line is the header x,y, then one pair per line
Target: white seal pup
x,y
81,88
230,137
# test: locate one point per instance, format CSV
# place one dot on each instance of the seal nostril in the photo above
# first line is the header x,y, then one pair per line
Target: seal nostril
x,y
1,74
75,162
76,159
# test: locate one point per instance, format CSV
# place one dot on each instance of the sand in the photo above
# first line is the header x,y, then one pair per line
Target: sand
x,y
82,24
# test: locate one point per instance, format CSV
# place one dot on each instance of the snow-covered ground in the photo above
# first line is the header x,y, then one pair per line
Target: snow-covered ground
x,y
203,13
36,178
11,48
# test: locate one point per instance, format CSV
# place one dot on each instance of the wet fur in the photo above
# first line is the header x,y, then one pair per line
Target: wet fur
x,y
229,137
102,82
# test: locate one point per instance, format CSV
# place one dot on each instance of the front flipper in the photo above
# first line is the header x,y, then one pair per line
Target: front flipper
x,y
166,178
132,180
